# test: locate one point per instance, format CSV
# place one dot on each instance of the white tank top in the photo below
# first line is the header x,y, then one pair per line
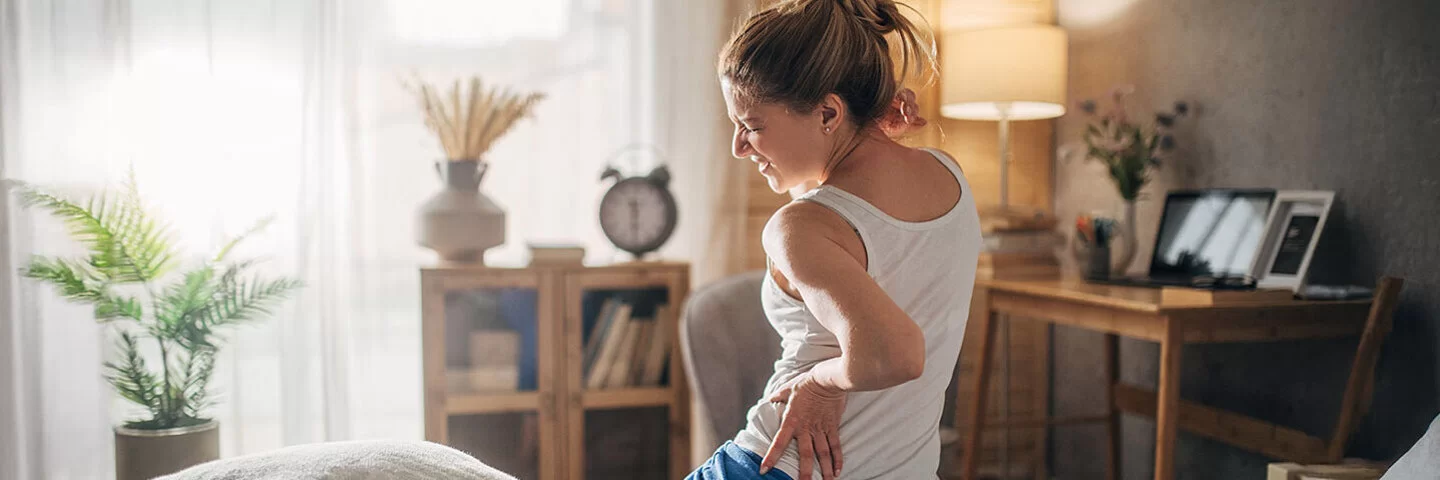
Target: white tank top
x,y
928,269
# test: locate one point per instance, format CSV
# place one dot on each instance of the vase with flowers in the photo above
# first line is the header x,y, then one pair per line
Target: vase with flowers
x,y
460,222
1130,150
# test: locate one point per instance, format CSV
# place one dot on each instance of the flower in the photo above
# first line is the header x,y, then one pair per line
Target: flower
x,y
1128,149
1115,142
1167,143
1119,92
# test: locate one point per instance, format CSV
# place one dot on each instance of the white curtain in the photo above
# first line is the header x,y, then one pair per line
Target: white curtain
x,y
232,111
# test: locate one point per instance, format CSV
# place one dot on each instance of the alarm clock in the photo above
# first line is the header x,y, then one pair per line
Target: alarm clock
x,y
638,214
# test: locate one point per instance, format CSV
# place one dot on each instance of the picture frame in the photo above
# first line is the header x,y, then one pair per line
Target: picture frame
x,y
1292,230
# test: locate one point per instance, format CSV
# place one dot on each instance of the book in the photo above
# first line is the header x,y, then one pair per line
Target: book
x,y
610,347
1007,265
597,335
620,370
1041,241
642,348
494,360
659,348
494,378
556,254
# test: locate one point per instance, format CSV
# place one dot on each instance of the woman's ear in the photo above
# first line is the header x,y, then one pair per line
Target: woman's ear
x,y
832,112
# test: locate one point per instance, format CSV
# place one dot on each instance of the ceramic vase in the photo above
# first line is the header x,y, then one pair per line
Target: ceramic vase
x,y
459,222
1123,246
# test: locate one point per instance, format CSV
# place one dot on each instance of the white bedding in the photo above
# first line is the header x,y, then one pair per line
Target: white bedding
x,y
1422,462
355,460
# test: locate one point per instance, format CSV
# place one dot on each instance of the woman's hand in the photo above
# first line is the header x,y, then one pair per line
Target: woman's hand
x,y
903,116
812,419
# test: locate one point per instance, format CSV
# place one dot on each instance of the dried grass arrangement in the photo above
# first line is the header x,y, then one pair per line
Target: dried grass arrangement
x,y
469,123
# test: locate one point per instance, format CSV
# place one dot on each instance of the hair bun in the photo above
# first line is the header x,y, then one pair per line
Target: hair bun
x,y
878,15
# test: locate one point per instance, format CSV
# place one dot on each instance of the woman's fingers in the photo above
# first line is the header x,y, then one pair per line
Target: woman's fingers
x,y
804,444
835,453
903,116
781,395
811,418
777,447
822,455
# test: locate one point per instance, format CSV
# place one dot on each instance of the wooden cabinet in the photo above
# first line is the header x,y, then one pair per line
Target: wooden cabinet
x,y
505,370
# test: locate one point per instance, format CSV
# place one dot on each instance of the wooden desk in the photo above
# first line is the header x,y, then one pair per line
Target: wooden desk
x,y
1142,313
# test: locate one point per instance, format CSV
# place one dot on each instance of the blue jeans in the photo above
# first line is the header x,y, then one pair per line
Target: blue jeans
x,y
734,463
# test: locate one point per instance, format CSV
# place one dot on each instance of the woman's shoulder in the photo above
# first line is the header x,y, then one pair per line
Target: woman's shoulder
x,y
942,154
803,219
799,225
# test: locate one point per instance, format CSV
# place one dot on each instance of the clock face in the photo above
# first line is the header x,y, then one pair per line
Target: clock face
x,y
637,215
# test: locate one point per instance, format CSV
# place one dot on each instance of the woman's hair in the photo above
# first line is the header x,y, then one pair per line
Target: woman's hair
x,y
798,51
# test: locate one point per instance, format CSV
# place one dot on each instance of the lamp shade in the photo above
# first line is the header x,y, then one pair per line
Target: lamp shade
x,y
1016,72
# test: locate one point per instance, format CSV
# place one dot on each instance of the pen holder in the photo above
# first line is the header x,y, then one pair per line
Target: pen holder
x,y
1097,261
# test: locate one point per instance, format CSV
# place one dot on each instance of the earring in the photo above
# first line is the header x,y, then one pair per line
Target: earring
x,y
827,129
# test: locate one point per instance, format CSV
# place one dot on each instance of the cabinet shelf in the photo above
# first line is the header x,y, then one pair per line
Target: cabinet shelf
x,y
627,398
472,403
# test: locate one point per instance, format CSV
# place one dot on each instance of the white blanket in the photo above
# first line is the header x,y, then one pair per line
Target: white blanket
x,y
356,460
1422,462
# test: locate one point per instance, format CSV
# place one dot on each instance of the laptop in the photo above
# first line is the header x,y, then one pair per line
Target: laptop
x,y
1205,235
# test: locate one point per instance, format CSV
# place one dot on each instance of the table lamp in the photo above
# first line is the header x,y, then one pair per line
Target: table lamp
x,y
1005,73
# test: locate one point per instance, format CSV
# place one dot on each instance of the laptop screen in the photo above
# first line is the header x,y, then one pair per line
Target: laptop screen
x,y
1213,232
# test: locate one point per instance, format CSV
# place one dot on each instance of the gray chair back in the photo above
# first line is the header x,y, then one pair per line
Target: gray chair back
x,y
729,351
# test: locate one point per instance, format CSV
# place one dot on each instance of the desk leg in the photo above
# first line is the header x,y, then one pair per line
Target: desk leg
x,y
1112,424
1168,408
982,390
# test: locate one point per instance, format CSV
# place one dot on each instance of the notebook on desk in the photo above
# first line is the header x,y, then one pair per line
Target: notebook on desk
x,y
1207,238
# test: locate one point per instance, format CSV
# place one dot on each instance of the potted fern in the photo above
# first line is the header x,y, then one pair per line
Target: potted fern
x,y
130,275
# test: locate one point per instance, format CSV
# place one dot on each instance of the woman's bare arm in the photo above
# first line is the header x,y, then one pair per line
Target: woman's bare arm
x,y
820,257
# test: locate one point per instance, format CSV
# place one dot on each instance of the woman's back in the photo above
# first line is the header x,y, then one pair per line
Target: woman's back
x,y
871,303
926,263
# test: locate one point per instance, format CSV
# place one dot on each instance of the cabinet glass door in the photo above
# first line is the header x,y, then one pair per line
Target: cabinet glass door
x,y
622,371
489,391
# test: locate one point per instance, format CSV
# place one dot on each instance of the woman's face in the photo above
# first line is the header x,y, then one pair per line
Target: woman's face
x,y
789,149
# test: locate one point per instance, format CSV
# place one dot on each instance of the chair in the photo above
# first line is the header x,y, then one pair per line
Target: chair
x,y
729,350
1360,388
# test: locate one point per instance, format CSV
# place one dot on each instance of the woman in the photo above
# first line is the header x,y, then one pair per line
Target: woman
x,y
871,271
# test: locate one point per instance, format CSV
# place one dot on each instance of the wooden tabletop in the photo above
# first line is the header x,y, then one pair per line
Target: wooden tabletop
x,y
1146,299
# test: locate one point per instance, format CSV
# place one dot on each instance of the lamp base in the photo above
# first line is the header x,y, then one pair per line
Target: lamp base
x,y
1014,218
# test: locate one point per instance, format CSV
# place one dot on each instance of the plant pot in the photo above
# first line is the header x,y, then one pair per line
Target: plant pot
x,y
146,454
459,223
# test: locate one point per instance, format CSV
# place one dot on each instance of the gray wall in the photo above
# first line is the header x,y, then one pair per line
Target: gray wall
x,y
1339,95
